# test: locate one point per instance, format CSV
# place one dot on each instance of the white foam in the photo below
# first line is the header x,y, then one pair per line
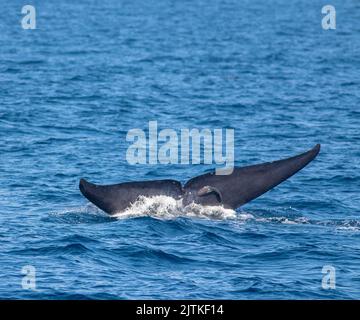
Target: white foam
x,y
164,207
283,220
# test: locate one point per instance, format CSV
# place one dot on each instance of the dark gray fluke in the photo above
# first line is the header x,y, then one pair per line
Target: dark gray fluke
x,y
230,191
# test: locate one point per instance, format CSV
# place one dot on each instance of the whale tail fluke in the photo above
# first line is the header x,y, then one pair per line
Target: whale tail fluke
x,y
101,196
248,183
117,197
232,191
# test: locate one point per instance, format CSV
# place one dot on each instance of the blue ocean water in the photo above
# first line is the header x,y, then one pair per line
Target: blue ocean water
x,y
71,89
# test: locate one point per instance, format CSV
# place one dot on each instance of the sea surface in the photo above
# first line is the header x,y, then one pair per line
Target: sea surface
x,y
92,70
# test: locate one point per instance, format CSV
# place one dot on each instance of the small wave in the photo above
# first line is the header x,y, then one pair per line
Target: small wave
x,y
351,225
88,214
146,252
295,219
284,220
31,62
163,207
72,249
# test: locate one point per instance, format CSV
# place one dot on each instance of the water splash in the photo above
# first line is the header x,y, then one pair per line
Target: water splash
x,y
168,208
163,207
